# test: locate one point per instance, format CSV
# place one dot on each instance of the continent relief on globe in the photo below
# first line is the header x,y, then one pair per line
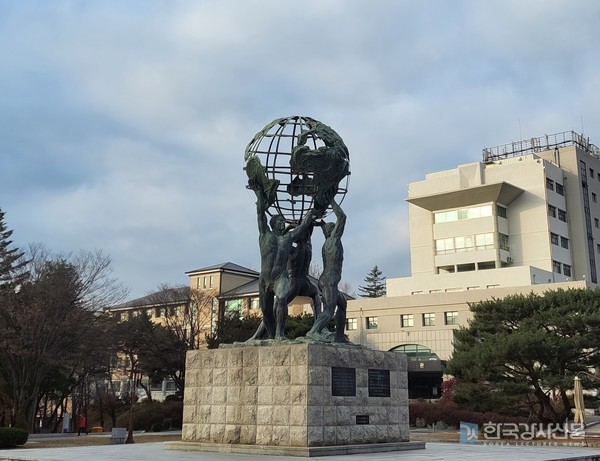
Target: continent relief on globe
x,y
328,165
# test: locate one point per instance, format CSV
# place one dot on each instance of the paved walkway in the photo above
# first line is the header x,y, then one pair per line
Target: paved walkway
x,y
433,452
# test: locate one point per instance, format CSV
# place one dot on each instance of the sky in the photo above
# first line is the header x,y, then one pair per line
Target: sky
x,y
123,125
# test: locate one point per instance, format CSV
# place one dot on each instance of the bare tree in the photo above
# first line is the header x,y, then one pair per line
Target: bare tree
x,y
188,312
347,288
44,324
315,270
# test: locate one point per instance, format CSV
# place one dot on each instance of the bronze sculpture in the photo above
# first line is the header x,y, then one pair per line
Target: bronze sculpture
x,y
305,164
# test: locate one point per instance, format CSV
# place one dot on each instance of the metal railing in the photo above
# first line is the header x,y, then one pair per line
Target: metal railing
x,y
543,143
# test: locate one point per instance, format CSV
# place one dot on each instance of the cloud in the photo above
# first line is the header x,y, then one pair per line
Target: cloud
x,y
123,125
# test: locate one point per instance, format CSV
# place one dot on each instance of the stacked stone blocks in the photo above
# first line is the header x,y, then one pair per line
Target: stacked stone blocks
x,y
282,396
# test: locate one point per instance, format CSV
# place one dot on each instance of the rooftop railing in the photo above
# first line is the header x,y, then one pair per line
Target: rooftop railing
x,y
543,143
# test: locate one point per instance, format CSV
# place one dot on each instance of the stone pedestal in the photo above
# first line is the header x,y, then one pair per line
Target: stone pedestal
x,y
295,398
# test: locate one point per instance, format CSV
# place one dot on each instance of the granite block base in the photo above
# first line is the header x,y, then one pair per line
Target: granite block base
x,y
296,396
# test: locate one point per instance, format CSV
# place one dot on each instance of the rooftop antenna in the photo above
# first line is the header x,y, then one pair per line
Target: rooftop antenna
x,y
582,131
520,133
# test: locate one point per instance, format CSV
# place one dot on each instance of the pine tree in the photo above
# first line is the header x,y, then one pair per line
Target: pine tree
x,y
12,265
375,284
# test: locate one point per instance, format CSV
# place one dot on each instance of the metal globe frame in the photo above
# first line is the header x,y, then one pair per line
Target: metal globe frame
x,y
273,145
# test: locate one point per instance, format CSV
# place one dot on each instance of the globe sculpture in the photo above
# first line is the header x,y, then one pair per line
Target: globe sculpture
x,y
298,169
306,162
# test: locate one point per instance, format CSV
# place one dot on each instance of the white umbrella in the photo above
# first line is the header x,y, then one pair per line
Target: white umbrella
x,y
578,398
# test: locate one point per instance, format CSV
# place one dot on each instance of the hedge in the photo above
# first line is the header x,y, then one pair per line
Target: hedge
x,y
10,437
452,414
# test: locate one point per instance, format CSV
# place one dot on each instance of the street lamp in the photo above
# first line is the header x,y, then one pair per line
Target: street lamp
x,y
132,395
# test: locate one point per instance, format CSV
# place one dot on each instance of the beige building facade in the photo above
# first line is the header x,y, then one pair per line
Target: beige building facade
x,y
524,219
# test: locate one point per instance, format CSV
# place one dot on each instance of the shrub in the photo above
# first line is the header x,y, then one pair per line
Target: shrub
x,y
157,416
452,414
11,437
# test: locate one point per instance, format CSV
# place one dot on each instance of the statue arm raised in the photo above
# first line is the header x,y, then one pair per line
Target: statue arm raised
x,y
341,219
304,225
261,215
264,188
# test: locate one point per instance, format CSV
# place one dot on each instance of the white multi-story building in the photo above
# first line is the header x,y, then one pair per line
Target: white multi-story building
x,y
526,218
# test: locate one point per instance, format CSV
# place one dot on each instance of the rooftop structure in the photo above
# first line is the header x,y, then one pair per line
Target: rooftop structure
x,y
543,143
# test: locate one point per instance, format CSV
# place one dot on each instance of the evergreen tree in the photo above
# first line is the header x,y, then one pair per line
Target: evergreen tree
x,y
519,354
12,271
375,284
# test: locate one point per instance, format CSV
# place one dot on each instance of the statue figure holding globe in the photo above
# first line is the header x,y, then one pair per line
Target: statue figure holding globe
x,y
333,256
275,242
298,265
305,163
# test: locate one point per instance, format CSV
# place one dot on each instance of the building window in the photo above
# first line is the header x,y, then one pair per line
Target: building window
x,y
501,211
428,320
598,247
549,184
234,308
464,213
484,241
444,246
407,320
594,198
462,244
351,324
503,241
556,267
451,318
562,215
564,242
372,323
553,238
591,172
552,211
567,270
416,352
560,190
596,223
465,268
254,304
485,265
